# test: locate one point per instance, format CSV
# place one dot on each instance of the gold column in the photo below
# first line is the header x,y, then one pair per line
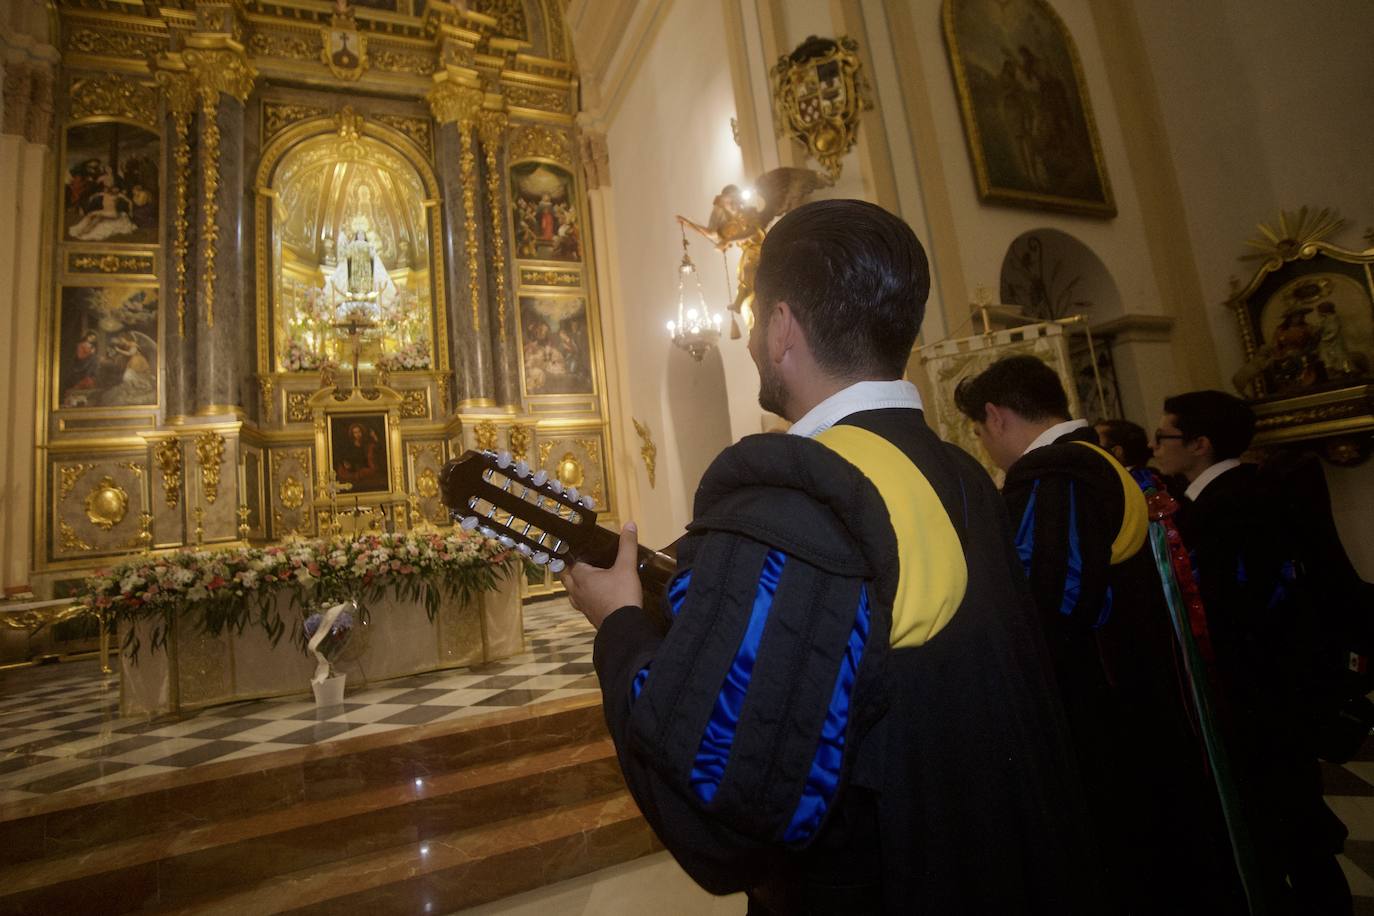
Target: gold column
x,y
452,102
181,102
491,127
218,65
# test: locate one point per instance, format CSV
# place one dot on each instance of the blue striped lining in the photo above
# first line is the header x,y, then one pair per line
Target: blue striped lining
x,y
677,594
824,777
714,751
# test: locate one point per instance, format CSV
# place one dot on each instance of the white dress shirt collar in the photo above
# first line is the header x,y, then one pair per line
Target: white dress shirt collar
x,y
858,396
1054,432
1212,473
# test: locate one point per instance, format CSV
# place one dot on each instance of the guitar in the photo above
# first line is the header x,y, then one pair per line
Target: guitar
x,y
531,512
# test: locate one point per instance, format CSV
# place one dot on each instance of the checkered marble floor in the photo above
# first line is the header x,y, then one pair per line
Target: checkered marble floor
x,y
60,726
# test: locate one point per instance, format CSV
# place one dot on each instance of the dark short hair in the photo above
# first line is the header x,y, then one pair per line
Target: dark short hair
x,y
1226,420
1135,444
1022,384
857,279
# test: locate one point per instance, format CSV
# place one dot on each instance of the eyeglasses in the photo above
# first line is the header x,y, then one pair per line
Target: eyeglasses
x,y
1161,435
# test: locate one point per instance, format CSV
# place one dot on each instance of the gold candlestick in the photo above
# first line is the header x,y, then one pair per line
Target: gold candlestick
x,y
243,513
199,513
145,531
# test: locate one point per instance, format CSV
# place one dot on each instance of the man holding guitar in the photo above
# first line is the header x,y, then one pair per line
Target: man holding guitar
x,y
849,708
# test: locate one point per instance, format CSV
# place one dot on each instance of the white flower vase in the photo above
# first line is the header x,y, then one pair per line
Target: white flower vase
x,y
330,691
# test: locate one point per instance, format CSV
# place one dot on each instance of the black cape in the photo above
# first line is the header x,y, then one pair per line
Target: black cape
x,y
958,792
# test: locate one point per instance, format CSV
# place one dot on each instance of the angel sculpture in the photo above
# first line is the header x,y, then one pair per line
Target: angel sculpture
x,y
742,218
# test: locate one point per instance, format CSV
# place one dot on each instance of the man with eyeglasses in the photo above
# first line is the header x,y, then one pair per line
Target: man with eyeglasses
x,y
1250,540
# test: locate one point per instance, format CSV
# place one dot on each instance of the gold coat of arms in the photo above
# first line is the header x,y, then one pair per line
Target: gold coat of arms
x,y
819,92
345,48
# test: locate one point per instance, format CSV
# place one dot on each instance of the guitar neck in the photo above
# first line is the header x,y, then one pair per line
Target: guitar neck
x,y
656,568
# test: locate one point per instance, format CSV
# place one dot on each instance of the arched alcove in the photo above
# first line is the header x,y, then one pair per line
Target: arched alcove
x,y
1051,275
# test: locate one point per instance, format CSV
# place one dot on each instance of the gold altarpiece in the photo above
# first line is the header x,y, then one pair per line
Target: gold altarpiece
x,y
215,162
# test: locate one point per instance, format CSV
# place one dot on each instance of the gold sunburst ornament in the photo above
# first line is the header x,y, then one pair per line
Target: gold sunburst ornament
x,y
1294,234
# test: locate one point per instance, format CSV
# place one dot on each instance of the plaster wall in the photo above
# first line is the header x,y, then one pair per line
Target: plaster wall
x,y
671,152
1266,107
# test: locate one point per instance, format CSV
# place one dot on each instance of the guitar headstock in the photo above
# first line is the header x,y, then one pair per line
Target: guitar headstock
x,y
525,509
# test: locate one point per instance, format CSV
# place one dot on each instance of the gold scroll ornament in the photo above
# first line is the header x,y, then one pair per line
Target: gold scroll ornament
x,y
210,454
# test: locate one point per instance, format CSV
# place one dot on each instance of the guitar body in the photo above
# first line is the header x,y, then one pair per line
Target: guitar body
x,y
531,512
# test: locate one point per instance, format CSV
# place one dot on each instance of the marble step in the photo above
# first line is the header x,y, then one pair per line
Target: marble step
x,y
455,870
69,823
177,865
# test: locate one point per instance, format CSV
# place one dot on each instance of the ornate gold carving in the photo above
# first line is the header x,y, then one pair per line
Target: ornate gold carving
x,y
292,46
106,504
491,127
819,92
451,103
69,539
167,454
535,97
539,141
69,474
414,404
593,449
336,58
1305,415
114,95
519,439
396,60
291,494
541,277
484,435
553,18
181,99
78,263
1295,233
545,448
210,454
277,116
348,123
298,407
467,167
647,450
509,16
266,385
110,43
427,484
220,70
133,467
416,129
569,471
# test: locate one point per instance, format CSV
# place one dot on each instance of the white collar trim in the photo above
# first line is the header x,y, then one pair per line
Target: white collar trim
x,y
1212,473
857,397
1054,432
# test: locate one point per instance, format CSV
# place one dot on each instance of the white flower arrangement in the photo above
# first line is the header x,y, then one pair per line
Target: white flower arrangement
x,y
231,588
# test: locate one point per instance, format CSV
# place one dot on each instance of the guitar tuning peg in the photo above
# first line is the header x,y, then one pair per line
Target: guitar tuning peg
x,y
486,532
524,548
556,566
540,477
541,557
522,468
469,523
572,493
588,502
503,459
555,485
506,541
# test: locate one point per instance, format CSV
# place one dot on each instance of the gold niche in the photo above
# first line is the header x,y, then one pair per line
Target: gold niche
x,y
107,504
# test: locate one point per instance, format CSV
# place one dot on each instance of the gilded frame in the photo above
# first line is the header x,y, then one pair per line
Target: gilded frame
x,y
330,405
989,189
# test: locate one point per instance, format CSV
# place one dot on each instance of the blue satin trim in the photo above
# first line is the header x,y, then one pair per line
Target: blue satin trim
x,y
1025,532
714,751
1073,569
677,594
825,766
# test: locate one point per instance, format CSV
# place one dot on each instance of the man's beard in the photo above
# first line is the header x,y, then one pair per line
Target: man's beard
x,y
772,390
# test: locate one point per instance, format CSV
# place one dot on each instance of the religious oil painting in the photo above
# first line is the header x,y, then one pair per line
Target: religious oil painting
x,y
358,453
545,213
111,184
1316,330
109,352
555,345
1025,105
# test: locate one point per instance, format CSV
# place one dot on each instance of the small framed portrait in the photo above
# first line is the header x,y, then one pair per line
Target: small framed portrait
x,y
555,349
359,453
544,207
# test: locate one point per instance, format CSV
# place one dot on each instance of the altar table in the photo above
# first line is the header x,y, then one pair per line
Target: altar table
x,y
195,669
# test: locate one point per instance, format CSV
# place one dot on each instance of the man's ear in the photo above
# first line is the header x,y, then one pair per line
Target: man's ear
x,y
1202,447
1118,453
782,329
995,418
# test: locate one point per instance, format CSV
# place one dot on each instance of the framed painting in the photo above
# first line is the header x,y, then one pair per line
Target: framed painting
x,y
1025,105
359,452
109,351
555,345
111,183
544,208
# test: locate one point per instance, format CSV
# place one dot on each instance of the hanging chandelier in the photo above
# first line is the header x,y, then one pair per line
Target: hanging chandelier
x,y
696,330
